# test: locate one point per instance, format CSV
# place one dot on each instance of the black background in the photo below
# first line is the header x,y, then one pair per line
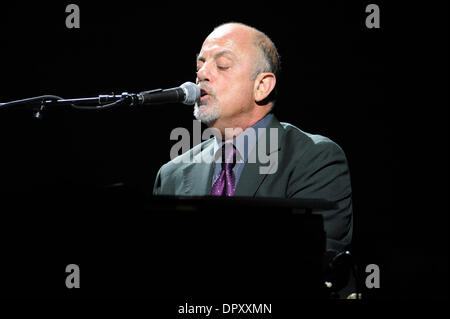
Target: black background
x,y
381,94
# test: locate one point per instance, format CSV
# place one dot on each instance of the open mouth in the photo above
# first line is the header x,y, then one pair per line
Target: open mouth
x,y
203,94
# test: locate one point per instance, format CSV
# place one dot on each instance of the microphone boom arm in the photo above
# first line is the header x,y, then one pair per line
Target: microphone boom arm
x,y
39,103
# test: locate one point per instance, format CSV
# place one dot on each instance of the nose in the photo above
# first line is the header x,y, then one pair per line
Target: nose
x,y
203,74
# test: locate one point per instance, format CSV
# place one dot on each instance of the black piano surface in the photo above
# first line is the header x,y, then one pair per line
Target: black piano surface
x,y
130,245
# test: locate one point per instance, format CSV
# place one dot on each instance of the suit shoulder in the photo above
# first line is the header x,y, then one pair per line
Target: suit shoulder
x,y
294,133
307,143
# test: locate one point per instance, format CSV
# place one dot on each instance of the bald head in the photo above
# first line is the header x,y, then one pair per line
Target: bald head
x,y
266,54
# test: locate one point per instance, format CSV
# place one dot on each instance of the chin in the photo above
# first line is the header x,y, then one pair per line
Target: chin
x,y
205,113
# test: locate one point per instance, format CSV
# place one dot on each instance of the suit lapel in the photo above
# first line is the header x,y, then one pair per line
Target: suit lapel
x,y
251,177
197,174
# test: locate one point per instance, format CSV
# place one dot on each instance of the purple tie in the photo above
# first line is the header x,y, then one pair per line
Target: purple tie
x,y
225,184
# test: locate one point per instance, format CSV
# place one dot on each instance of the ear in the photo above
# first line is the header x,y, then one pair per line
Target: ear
x,y
264,84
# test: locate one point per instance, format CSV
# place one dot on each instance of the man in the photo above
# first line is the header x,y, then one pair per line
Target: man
x,y
237,69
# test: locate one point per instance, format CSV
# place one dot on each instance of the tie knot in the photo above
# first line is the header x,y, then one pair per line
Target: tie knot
x,y
228,156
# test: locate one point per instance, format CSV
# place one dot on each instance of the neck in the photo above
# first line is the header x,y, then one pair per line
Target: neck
x,y
232,127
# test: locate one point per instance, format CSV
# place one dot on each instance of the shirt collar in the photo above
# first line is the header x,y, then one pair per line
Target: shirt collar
x,y
244,148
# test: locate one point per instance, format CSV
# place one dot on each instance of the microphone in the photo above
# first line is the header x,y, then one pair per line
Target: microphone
x,y
188,93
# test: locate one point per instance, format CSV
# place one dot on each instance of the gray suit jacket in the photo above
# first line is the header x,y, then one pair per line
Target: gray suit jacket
x,y
303,166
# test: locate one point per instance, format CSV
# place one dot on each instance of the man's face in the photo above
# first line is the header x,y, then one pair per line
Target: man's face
x,y
224,69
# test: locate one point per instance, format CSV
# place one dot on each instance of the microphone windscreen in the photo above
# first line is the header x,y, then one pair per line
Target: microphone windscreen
x,y
192,92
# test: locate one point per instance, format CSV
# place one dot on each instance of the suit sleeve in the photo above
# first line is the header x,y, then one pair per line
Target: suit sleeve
x,y
324,174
